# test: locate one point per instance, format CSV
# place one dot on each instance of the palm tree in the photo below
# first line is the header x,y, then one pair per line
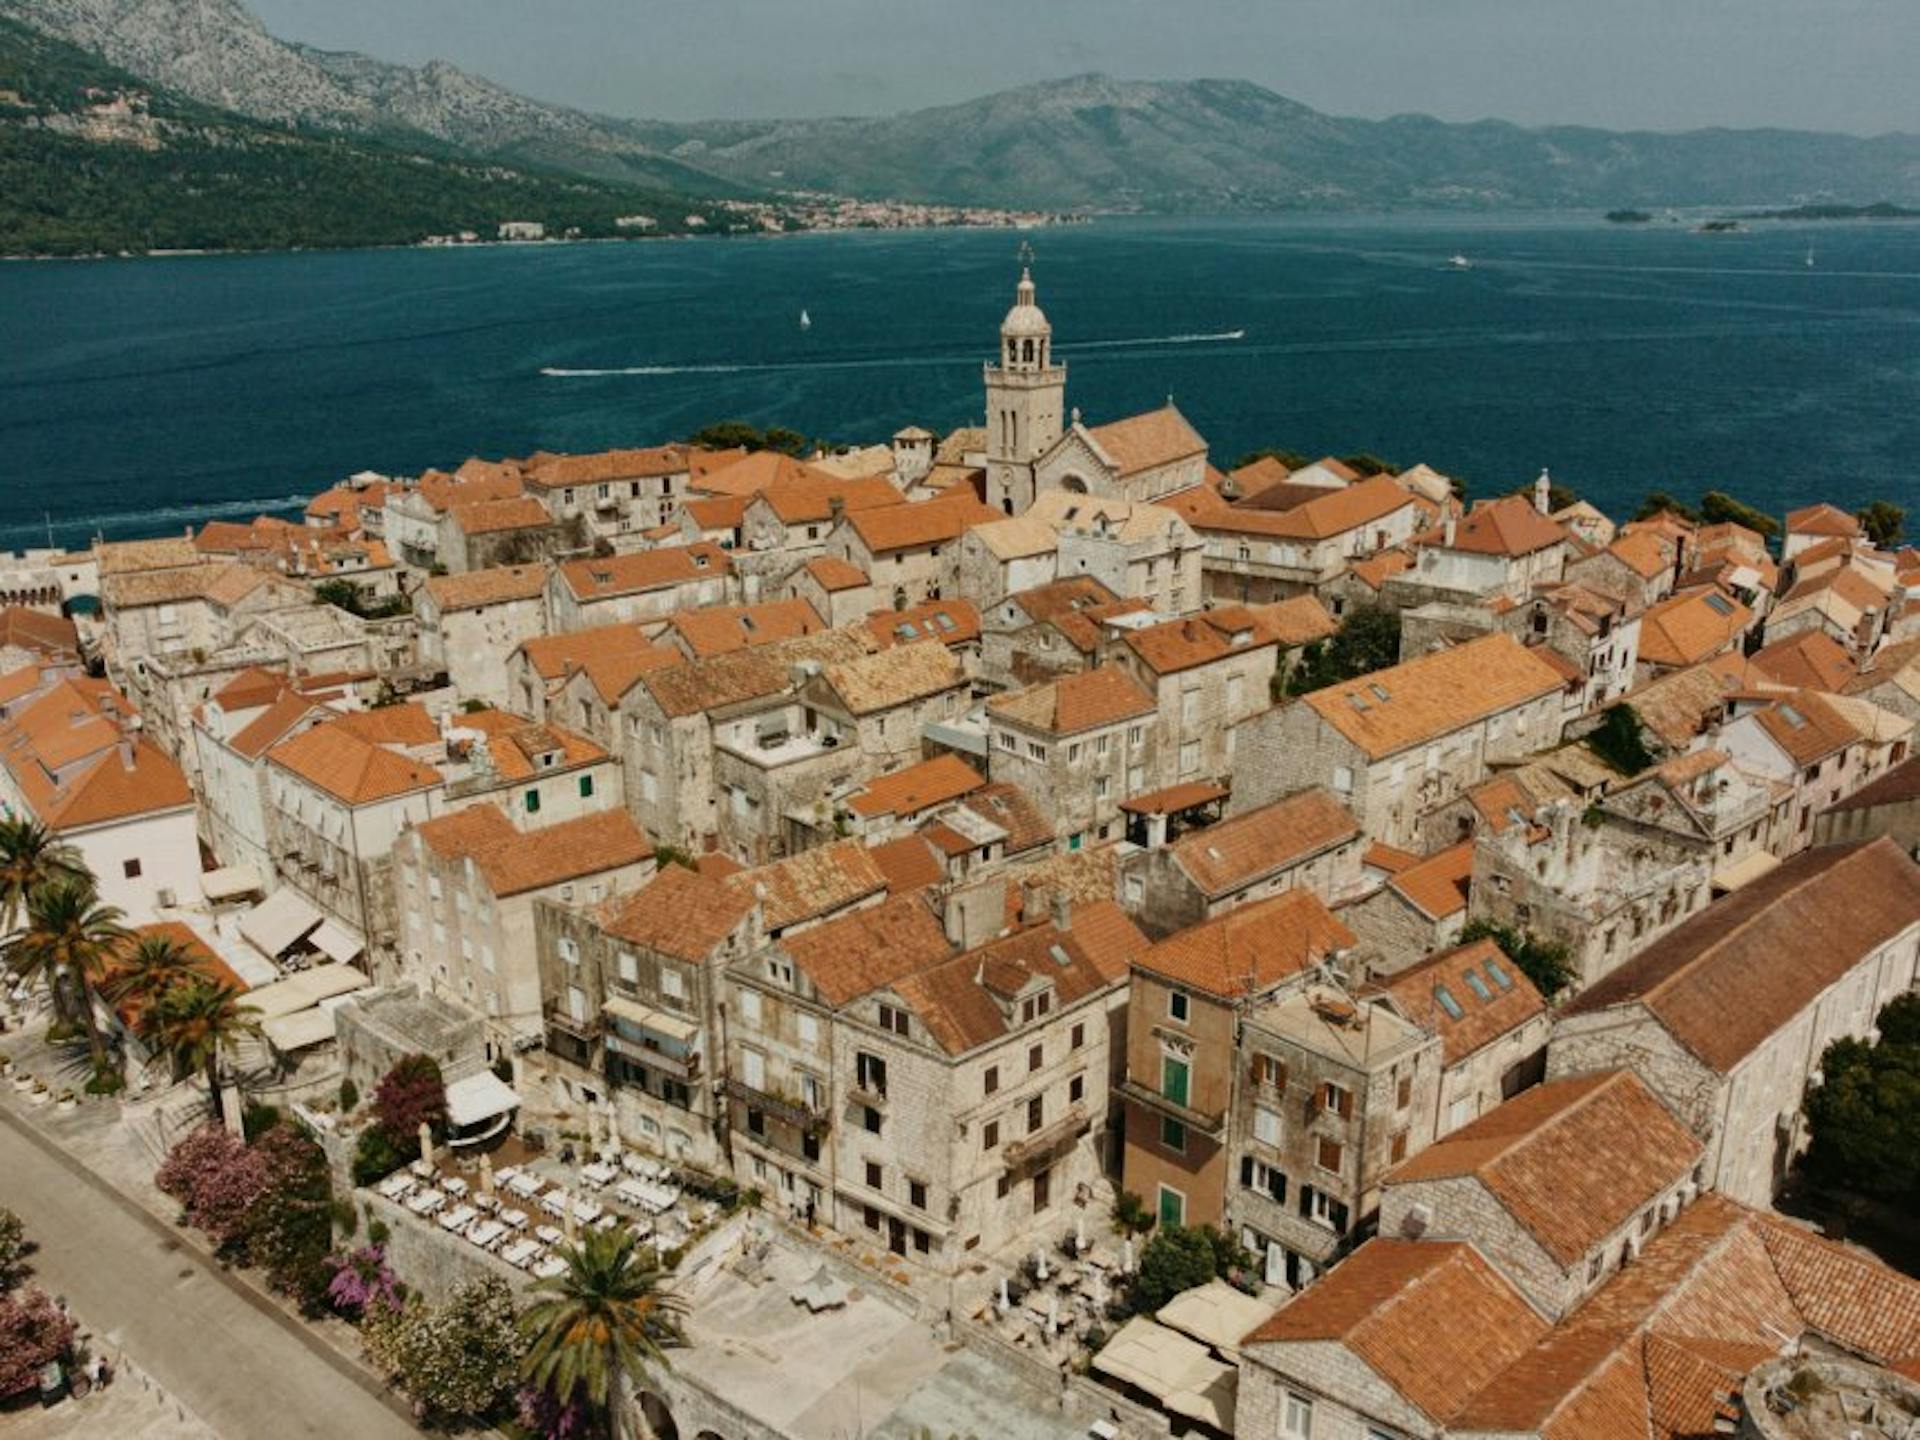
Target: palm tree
x,y
154,965
70,939
30,856
600,1323
200,1023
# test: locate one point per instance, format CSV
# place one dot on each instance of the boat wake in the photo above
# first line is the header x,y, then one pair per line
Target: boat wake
x,y
125,520
559,372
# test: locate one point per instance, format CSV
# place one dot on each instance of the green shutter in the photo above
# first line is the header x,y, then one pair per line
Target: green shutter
x,y
586,787
533,802
1173,1079
1173,1208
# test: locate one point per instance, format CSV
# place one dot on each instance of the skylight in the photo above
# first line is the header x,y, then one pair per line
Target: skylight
x,y
1447,1003
1477,985
1380,692
1792,716
1718,604
1499,973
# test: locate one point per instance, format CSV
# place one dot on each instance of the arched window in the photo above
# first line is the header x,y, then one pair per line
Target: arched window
x,y
1028,355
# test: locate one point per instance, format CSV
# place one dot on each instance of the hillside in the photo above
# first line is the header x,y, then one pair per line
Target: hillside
x,y
93,160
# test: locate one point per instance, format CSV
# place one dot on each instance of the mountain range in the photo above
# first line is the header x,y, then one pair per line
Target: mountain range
x,y
1087,142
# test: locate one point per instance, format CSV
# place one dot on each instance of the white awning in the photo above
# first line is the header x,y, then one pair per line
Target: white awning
x,y
1744,871
230,883
305,990
337,942
279,922
300,1030
1216,1314
660,1022
480,1096
1176,1371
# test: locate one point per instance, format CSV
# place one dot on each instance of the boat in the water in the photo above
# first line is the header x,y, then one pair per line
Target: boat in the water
x,y
806,321
1459,262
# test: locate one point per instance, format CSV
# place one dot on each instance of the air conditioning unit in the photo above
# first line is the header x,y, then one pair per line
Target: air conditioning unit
x,y
164,898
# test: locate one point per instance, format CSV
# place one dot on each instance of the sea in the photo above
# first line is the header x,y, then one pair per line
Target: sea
x,y
1781,363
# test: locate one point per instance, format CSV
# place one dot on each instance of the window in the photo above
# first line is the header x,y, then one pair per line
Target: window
x,y
1478,986
990,1081
674,986
1136,734
1267,1070
1036,1006
569,951
874,1176
1338,1099
917,1194
1174,1075
1190,757
1079,1037
1443,997
1172,1207
870,1120
1343,779
1076,1089
130,869
629,968
1036,1113
1177,1004
1266,1125
990,1135
750,1006
1297,1418
753,1069
532,800
1499,973
1073,753
893,1018
1397,1147
586,787
870,1072
1328,1155
1036,1057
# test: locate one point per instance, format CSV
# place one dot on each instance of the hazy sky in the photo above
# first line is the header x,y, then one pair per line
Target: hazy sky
x,y
1666,64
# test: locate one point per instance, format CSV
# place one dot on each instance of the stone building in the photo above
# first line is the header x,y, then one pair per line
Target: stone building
x,y
470,624
1819,747
1305,840
1687,629
1887,806
1005,557
232,733
1726,1017
1602,889
487,534
617,493
909,552
1141,458
1026,403
1493,1028
467,884
796,516
839,591
1080,745
643,588
1636,569
1049,631
1207,673
879,705
722,629
1420,909
1188,999
1138,551
1256,552
1402,741
1559,1187
1703,801
1501,547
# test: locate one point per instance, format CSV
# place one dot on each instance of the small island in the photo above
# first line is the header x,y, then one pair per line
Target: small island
x,y
1629,217
1881,210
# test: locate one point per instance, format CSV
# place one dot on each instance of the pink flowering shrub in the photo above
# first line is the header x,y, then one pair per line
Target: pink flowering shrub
x,y
361,1279
216,1178
33,1330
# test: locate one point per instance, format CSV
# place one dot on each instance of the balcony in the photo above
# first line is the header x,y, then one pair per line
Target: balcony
x,y
784,1108
559,1021
1210,1125
869,1092
1048,1139
681,1067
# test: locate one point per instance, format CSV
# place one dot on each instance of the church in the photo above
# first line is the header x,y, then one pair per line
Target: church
x,y
1030,450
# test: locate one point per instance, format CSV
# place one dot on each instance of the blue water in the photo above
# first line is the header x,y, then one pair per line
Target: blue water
x,y
139,396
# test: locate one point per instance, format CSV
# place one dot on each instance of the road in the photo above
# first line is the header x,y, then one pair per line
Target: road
x,y
232,1361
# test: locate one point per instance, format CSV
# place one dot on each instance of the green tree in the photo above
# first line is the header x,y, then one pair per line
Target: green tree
x,y
1292,459
729,435
1719,508
70,938
1658,502
1884,522
1368,640
1864,1115
1621,739
1368,466
460,1361
31,856
290,1227
153,966
13,1249
600,1324
1899,1021
200,1024
1547,963
1177,1258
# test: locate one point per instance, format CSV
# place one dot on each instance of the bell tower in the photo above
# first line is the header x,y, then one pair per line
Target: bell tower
x,y
1026,396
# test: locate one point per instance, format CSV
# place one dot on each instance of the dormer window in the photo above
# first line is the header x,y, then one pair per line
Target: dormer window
x,y
1036,1007
893,1018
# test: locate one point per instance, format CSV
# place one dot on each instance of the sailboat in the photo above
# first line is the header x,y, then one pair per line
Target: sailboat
x,y
1810,257
806,321
1459,262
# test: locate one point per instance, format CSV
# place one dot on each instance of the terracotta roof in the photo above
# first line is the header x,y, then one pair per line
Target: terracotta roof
x,y
718,512
348,758
679,912
1130,522
476,482
1508,526
1687,628
1571,1160
1018,537
722,629
811,884
1389,858
31,630
1679,706
124,557
63,750
515,744
275,723
897,676
1252,947
1074,607
832,574
1807,726
498,586
1725,980
1299,621
1897,786
1423,699
804,501
916,788
753,473
515,862
1326,514
697,686
951,622
1176,645
654,462
857,954
1233,854
1643,553
1432,1318
1437,886
490,517
961,999
1376,570
1510,999
1005,804
631,574
909,864
1822,519
1087,700
1258,475
205,959
1143,442
554,656
1174,798
175,584
926,522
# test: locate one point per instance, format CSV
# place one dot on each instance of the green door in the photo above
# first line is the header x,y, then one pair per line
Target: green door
x,y
1173,1208
1173,1079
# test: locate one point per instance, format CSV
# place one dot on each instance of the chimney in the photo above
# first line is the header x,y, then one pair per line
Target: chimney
x,y
1062,908
1032,903
126,750
1448,530
836,508
1543,493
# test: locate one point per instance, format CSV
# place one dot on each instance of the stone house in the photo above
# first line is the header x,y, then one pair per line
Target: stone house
x,y
1080,745
1005,557
1726,1017
1049,631
1138,551
908,551
1402,741
1185,1066
641,588
1559,1187
1703,801
972,1090
1856,603
795,517
486,534
1257,551
1687,628
1207,673
1493,1028
1501,547
617,493
1635,569
1305,840
632,994
540,671
1602,889
1813,525
887,806
839,592
1596,635
1421,908
775,778
413,512
467,884
880,704
187,610
723,629
1887,806
1140,458
1820,747
1890,678
232,733
470,624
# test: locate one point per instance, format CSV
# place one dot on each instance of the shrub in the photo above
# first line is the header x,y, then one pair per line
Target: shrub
x,y
1547,963
1177,1258
459,1361
411,1093
106,1081
216,1178
33,1330
362,1278
13,1249
349,1096
376,1156
257,1119
378,1232
290,1227
1130,1213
